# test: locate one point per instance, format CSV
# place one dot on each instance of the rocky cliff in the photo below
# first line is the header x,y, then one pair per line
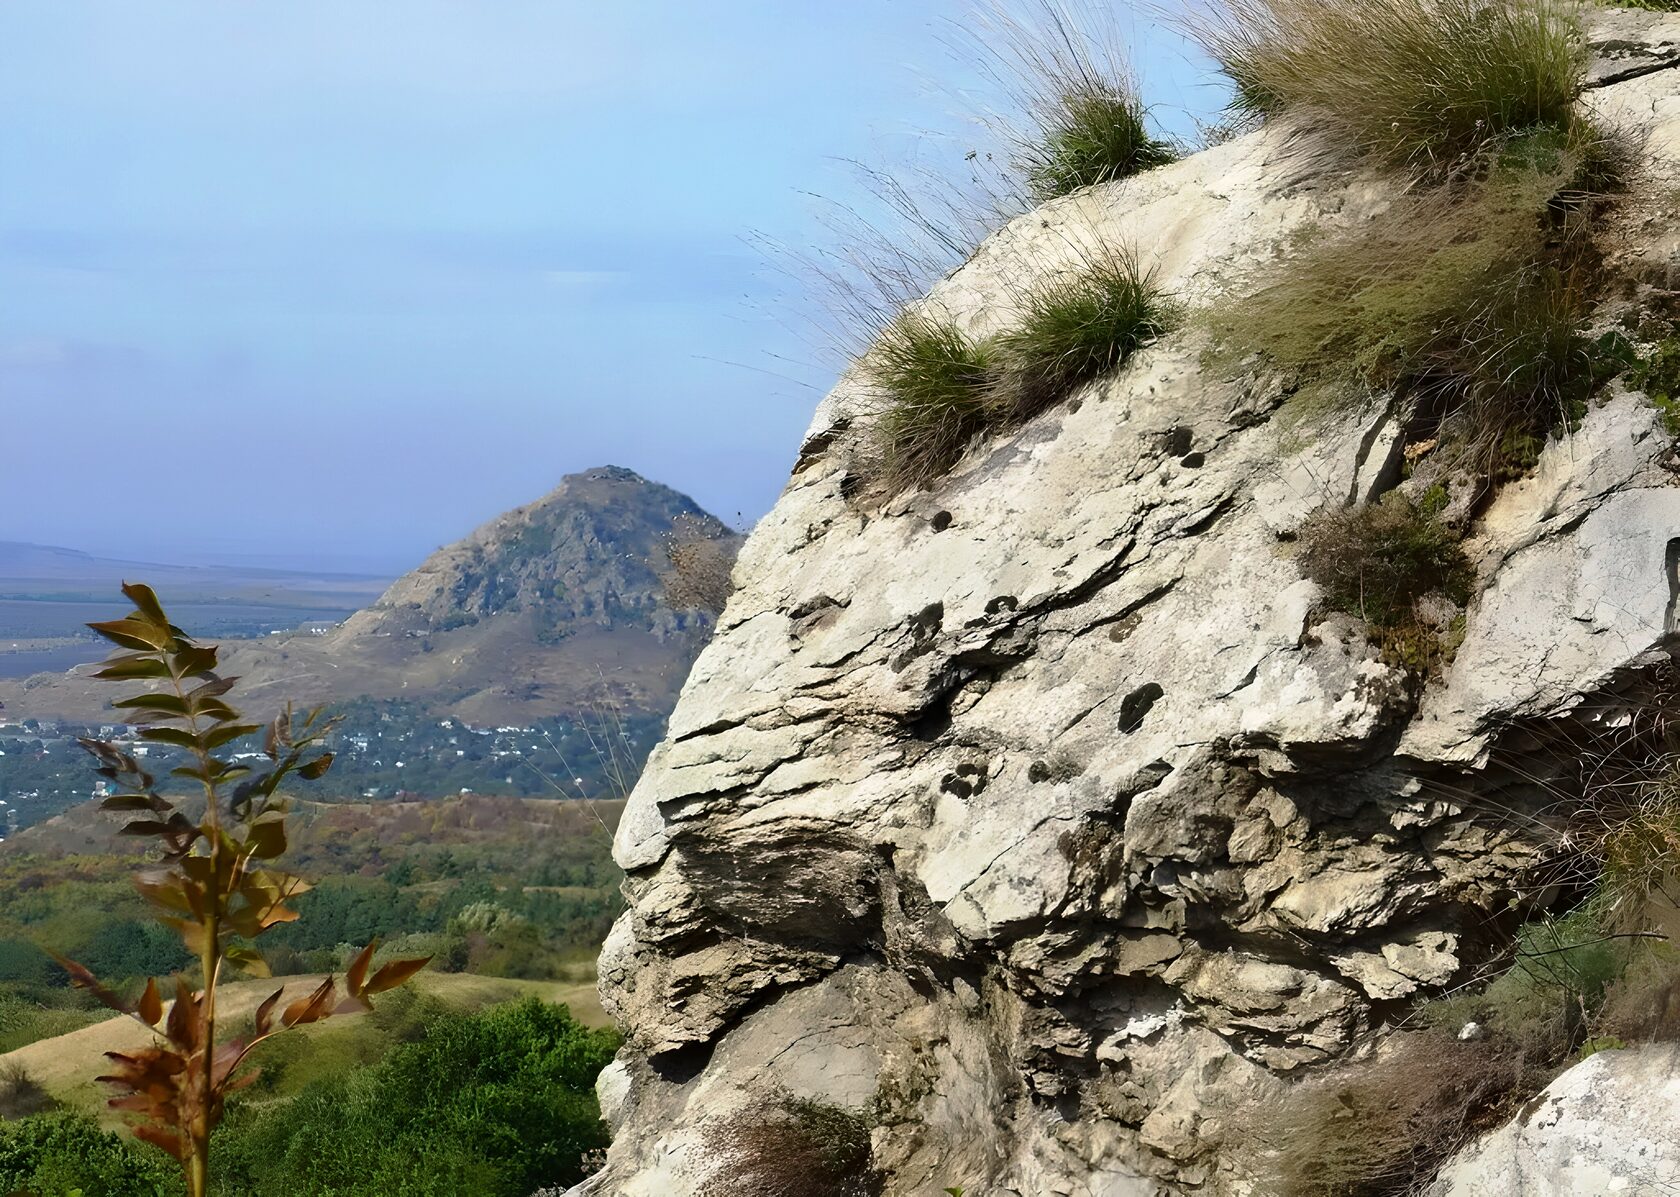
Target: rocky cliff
x,y
1049,811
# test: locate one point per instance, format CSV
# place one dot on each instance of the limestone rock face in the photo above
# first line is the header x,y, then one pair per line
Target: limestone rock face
x,y
1610,1125
1047,811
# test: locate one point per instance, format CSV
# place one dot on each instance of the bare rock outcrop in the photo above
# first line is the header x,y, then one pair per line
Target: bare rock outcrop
x,y
1609,1125
1048,812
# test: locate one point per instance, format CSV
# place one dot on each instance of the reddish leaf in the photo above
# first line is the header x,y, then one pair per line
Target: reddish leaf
x,y
265,1012
268,838
357,972
317,768
145,602
183,1027
394,974
150,1008
132,667
132,633
172,705
81,978
316,1006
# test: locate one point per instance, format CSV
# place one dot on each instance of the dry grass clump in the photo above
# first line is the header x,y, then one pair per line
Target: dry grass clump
x,y
1075,329
1422,85
796,1147
1389,563
938,389
1467,299
1643,1004
932,379
21,1094
1384,1125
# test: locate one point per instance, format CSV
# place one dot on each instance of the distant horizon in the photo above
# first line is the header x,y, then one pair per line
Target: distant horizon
x,y
367,565
395,276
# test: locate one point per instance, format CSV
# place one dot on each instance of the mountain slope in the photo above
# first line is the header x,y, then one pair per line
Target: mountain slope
x,y
553,608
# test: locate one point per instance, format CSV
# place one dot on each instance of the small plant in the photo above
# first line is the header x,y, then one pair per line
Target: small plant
x,y
799,1147
1095,133
1383,1126
1063,66
932,379
1656,372
213,886
21,1094
1423,85
1381,561
1075,329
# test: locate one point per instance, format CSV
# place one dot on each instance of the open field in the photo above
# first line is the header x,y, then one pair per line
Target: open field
x,y
66,1065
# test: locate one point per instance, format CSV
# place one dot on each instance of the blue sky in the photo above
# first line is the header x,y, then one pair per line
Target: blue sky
x,y
369,273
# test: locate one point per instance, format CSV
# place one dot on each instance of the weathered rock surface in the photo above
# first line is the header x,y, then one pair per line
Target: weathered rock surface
x,y
1610,1125
1047,811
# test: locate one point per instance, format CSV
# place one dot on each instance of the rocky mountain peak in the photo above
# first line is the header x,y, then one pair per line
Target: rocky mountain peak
x,y
595,550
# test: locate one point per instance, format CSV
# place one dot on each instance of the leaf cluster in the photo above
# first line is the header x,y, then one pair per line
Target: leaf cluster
x,y
215,884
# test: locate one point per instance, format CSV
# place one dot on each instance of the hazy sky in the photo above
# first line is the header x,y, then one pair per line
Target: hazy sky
x,y
342,279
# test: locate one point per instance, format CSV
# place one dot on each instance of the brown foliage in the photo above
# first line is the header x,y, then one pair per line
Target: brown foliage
x,y
796,1147
1383,1126
212,885
1643,1005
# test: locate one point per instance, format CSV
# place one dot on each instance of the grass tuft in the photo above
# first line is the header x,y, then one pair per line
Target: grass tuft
x,y
1081,120
1075,329
1383,1126
932,381
1095,133
1395,565
939,389
798,1147
1467,299
1421,85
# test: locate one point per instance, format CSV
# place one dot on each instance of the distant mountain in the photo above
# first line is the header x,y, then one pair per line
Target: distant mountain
x,y
559,607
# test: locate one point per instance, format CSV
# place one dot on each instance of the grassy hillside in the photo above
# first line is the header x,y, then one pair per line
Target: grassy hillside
x,y
65,1065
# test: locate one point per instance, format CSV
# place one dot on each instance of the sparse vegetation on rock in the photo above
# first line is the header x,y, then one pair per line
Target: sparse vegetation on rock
x,y
1422,85
793,1147
941,389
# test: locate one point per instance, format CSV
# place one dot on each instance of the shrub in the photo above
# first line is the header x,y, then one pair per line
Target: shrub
x,y
1073,330
1380,561
1383,1126
797,1147
932,380
57,1154
495,1104
21,1094
1425,85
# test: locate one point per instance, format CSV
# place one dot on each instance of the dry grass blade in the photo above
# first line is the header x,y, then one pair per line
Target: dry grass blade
x,y
1424,85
